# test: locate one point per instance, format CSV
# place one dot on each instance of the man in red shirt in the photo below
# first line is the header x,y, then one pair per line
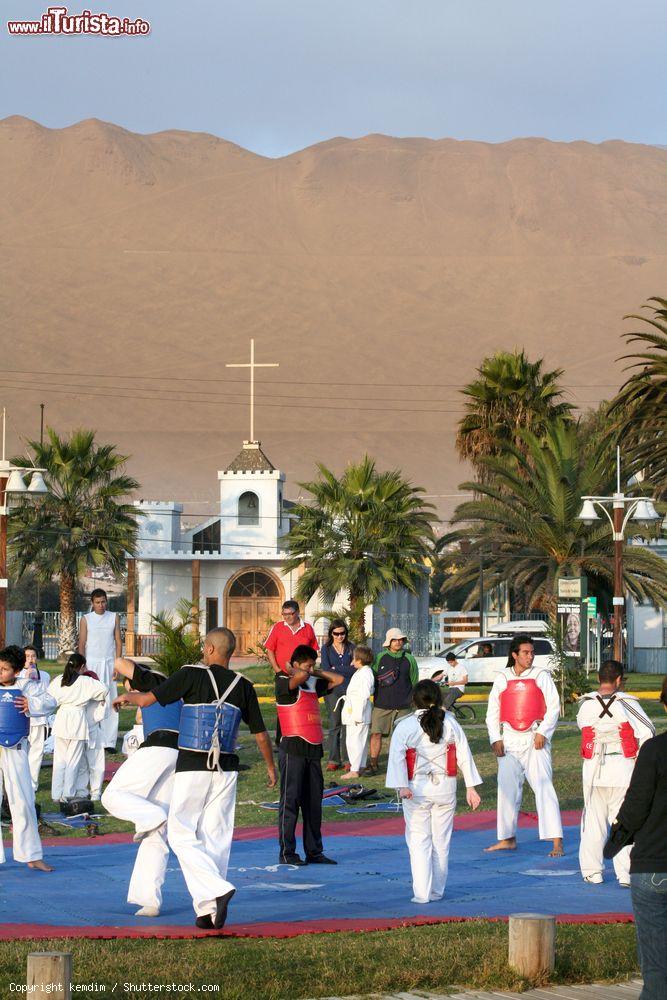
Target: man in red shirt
x,y
286,635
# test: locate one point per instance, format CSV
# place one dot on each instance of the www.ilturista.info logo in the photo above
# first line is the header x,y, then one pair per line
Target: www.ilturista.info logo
x,y
56,21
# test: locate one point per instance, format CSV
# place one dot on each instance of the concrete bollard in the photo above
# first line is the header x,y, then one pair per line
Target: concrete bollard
x,y
532,944
50,972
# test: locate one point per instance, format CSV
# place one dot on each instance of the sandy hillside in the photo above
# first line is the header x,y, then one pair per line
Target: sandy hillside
x,y
377,271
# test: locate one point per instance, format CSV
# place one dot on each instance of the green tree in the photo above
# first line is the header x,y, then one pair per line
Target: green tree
x,y
511,394
525,512
84,520
179,632
640,407
361,533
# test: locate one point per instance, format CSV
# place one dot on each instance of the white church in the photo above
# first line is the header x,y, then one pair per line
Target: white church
x,y
231,565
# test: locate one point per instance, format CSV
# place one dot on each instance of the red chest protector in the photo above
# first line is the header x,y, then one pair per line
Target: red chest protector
x,y
450,768
626,735
522,704
302,718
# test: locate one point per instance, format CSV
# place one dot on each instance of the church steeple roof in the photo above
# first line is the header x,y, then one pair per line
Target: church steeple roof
x,y
251,458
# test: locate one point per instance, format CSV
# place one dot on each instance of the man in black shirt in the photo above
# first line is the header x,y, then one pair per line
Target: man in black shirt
x,y
140,791
300,755
201,815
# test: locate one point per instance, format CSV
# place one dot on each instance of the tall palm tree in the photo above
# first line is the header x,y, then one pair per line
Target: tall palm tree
x,y
362,533
526,513
640,408
510,394
82,522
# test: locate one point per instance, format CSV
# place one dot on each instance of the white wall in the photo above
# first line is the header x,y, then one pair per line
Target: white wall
x,y
267,486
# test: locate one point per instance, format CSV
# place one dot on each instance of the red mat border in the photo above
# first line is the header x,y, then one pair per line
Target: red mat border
x,y
19,932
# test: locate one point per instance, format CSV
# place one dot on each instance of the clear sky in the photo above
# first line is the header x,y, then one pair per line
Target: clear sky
x,y
276,76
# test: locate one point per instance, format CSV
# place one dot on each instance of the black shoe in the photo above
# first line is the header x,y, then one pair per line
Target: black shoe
x,y
291,859
204,923
319,859
222,902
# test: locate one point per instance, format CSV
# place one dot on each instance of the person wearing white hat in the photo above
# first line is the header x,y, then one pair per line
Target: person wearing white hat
x,y
396,674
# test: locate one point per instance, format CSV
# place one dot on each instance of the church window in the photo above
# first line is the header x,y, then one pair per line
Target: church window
x,y
208,539
248,508
254,583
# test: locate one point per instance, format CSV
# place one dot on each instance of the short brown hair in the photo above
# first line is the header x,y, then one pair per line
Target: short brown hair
x,y
364,654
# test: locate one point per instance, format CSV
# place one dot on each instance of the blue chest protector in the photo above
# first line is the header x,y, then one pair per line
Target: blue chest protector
x,y
211,728
158,716
14,725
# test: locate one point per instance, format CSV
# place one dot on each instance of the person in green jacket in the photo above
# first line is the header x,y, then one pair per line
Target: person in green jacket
x,y
396,674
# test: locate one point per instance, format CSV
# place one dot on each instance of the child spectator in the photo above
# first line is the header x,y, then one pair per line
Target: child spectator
x,y
357,710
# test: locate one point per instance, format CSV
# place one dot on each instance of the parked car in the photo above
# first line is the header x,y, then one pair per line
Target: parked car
x,y
485,657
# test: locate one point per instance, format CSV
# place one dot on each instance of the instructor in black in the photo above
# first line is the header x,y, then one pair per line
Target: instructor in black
x,y
300,755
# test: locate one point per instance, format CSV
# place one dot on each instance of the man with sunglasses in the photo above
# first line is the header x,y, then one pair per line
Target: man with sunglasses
x,y
286,635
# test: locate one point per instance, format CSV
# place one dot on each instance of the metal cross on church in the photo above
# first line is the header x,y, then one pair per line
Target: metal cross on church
x,y
252,365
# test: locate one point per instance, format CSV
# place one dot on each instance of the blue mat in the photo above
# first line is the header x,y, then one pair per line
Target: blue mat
x,y
372,880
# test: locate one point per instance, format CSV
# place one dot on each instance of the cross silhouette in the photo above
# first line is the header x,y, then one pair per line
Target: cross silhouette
x,y
252,365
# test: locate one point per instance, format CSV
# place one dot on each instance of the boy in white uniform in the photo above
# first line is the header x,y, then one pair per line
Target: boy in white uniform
x,y
426,749
38,724
613,728
100,643
20,696
524,702
357,710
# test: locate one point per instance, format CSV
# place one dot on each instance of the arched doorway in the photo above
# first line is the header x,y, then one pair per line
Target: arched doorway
x,y
253,599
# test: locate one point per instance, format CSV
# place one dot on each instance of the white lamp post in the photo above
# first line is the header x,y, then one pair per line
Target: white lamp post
x,y
623,508
12,483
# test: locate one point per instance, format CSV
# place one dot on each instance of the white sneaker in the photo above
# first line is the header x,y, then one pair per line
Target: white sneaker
x,y
148,911
594,879
623,883
415,900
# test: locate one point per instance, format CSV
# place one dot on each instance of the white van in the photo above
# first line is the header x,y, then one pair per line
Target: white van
x,y
486,656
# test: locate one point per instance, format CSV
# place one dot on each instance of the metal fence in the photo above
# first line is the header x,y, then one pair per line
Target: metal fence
x,y
51,629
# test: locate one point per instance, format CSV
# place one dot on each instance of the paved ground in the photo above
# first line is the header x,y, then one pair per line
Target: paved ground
x,y
594,991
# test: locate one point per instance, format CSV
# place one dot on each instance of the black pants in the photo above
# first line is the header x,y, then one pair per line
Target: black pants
x,y
301,787
336,739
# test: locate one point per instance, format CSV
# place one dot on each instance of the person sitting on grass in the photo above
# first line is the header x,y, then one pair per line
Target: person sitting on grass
x,y
300,755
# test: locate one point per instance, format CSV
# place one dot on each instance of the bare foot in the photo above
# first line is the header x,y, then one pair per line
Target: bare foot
x,y
557,851
41,866
352,774
503,845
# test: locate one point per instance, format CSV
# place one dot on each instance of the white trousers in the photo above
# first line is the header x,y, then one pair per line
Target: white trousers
x,y
356,740
17,783
109,725
200,828
67,756
428,831
140,793
534,766
601,806
36,739
91,773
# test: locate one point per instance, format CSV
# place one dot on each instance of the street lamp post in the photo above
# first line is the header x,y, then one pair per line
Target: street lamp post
x,y
623,508
12,482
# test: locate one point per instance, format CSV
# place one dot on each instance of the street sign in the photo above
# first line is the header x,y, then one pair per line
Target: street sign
x,y
592,607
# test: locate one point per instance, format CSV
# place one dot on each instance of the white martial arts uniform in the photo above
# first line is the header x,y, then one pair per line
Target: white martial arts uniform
x,y
71,730
522,761
39,726
16,780
606,775
356,716
90,775
429,814
100,656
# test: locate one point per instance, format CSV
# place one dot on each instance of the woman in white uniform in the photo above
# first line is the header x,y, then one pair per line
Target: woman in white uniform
x,y
100,643
426,749
72,692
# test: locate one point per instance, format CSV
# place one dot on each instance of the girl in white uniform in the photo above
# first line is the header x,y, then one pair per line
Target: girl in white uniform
x,y
72,693
20,696
426,749
357,710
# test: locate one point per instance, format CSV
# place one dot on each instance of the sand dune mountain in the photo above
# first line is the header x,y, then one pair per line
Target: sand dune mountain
x,y
377,271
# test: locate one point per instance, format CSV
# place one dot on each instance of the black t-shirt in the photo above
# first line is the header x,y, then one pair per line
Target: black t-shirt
x,y
145,680
294,744
644,809
193,685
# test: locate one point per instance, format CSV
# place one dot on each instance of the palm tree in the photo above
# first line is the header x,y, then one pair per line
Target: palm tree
x,y
179,632
526,513
362,533
640,407
511,393
82,522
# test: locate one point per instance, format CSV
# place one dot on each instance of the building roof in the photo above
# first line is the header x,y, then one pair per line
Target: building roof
x,y
251,458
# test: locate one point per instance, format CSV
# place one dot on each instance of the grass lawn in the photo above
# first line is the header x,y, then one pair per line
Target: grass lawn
x,y
429,958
